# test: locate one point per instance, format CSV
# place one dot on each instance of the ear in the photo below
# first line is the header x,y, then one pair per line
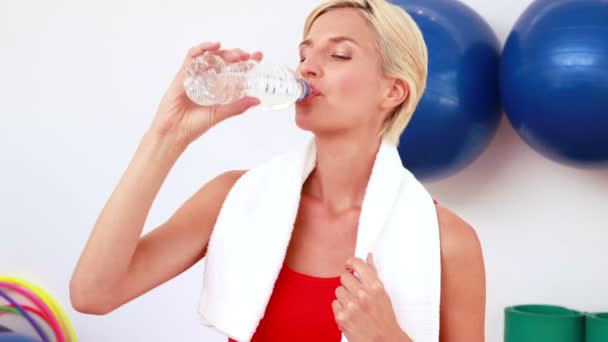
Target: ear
x,y
398,90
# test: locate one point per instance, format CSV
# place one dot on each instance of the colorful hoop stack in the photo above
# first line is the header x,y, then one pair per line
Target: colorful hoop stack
x,y
43,308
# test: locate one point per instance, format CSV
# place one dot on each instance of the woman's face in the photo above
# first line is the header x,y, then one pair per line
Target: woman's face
x,y
340,59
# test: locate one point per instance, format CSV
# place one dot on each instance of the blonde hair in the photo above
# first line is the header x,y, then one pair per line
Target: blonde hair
x,y
402,49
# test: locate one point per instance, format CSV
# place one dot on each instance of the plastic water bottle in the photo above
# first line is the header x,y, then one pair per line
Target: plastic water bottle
x,y
211,81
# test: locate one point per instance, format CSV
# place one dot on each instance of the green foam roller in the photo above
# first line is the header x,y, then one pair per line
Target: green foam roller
x,y
543,323
596,327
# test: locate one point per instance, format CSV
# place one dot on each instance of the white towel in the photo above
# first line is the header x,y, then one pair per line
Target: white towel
x,y
398,223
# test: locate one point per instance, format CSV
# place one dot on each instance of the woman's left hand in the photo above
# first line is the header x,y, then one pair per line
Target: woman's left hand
x,y
363,309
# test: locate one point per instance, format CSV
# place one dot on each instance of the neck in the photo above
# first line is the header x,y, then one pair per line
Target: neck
x,y
342,172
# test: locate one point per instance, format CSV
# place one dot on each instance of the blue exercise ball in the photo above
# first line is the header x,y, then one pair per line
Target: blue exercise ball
x,y
14,337
460,110
554,80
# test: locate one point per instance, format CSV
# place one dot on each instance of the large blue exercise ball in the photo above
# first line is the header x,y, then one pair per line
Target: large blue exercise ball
x,y
554,80
460,110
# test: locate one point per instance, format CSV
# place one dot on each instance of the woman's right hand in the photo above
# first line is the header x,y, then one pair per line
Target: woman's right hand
x,y
184,120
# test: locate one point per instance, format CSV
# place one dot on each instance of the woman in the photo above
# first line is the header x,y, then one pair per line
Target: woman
x,y
366,61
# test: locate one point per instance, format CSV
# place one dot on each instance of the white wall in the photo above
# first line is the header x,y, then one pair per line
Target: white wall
x,y
80,82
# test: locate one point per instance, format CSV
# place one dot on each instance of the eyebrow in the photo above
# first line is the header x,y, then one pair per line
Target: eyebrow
x,y
334,40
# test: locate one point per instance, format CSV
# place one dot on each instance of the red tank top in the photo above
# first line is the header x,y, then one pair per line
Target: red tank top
x,y
299,310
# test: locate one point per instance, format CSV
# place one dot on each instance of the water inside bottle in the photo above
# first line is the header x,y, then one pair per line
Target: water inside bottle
x,y
274,86
211,81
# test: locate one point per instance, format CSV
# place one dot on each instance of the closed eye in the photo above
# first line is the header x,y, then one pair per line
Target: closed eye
x,y
344,58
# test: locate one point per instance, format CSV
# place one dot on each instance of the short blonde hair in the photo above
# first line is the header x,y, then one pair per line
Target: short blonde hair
x,y
402,49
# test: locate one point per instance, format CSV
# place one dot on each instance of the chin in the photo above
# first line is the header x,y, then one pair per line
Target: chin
x,y
315,122
308,118
305,121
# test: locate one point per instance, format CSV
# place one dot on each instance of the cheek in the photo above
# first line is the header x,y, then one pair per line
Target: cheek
x,y
349,84
357,90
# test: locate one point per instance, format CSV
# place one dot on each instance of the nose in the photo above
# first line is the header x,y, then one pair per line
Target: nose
x,y
309,68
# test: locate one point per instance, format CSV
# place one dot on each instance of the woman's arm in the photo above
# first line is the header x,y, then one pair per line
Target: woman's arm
x,y
117,265
463,285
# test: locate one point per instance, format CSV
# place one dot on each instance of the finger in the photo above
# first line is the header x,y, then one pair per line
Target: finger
x,y
343,296
202,48
234,55
350,283
362,269
194,52
242,55
338,311
336,306
225,111
370,262
258,56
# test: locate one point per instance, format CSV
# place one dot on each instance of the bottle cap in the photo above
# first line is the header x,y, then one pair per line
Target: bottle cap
x,y
305,90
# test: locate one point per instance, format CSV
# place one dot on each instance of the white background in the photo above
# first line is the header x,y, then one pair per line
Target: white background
x,y
80,82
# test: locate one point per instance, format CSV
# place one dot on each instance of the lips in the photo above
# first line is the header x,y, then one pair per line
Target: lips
x,y
314,92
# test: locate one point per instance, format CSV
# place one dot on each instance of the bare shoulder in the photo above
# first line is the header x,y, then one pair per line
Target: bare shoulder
x,y
227,179
202,209
205,204
458,238
463,284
